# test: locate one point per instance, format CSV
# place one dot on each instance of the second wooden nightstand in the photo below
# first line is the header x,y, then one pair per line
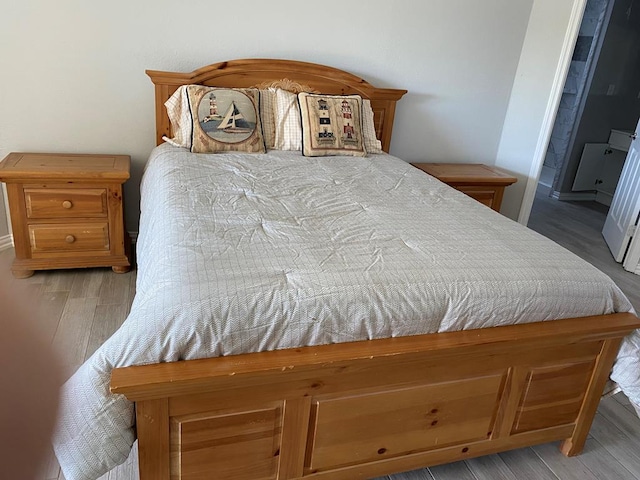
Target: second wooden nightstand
x,y
66,211
485,184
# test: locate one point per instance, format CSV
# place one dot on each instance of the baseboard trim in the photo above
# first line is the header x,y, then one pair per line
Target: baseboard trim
x,y
604,198
6,242
573,197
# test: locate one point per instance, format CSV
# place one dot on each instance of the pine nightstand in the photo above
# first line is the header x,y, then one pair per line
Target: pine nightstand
x,y
67,211
485,184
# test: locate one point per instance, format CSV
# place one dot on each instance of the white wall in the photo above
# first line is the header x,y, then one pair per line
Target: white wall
x,y
73,71
535,97
5,239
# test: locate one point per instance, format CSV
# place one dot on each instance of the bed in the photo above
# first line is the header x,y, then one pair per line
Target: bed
x,y
367,319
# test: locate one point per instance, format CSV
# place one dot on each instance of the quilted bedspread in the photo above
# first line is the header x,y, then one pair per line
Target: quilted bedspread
x,y
242,253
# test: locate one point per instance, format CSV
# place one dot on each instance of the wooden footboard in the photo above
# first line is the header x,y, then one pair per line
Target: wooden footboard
x,y
364,409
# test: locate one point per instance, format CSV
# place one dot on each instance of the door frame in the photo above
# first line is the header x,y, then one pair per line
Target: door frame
x,y
631,261
553,103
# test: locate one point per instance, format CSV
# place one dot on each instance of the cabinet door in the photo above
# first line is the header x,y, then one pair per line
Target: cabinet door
x,y
610,173
590,168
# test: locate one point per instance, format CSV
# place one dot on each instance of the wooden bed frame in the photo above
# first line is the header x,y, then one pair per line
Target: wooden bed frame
x,y
370,408
285,74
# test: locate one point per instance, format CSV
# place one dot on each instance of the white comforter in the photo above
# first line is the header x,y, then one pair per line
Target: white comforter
x,y
243,253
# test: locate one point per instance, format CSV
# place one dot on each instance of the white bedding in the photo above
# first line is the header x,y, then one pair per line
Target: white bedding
x,y
242,253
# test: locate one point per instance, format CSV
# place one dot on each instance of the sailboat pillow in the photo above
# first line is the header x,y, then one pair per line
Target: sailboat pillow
x,y
216,120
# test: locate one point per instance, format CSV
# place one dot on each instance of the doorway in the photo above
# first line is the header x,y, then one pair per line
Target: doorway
x,y
601,94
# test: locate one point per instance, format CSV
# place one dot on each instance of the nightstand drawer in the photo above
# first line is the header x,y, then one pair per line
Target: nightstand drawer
x,y
65,203
69,237
485,195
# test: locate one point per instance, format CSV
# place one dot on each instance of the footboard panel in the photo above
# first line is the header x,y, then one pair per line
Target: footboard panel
x,y
235,444
392,423
365,409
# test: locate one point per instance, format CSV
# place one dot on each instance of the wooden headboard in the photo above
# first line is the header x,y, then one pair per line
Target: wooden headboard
x,y
261,72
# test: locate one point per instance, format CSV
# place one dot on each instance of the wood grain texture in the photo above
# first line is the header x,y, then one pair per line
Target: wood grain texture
x,y
577,226
449,471
624,419
43,203
526,465
71,339
381,425
614,410
339,397
152,425
619,438
467,174
369,398
166,379
608,435
553,395
566,468
422,474
491,468
254,72
241,445
484,183
575,444
609,468
66,210
294,433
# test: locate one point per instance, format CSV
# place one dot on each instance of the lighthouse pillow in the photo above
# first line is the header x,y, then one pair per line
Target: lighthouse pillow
x,y
331,125
225,120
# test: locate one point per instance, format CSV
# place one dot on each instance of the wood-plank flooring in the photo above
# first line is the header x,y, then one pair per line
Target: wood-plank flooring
x,y
84,307
577,226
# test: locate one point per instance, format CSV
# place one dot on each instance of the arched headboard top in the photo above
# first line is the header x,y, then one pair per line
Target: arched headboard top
x,y
260,72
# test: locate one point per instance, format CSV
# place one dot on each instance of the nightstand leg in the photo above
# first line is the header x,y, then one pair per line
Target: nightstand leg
x,y
121,269
22,273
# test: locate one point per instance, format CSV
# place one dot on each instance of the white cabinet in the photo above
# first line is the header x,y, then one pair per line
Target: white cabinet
x,y
620,139
601,165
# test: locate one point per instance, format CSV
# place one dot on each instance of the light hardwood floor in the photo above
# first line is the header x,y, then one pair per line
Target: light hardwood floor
x,y
84,307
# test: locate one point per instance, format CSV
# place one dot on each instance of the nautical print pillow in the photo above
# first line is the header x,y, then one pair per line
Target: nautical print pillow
x,y
225,120
331,125
216,120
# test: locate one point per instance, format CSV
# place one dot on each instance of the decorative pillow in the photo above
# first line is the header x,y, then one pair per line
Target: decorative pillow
x,y
267,115
288,134
371,142
331,125
178,111
215,120
225,120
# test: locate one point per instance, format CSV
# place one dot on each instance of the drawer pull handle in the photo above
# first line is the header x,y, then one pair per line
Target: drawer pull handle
x,y
67,204
70,239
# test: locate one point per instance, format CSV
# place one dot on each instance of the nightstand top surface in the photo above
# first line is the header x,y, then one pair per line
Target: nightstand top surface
x,y
466,173
64,166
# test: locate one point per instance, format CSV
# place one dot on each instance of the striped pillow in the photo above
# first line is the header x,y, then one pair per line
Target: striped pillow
x,y
371,142
288,134
267,115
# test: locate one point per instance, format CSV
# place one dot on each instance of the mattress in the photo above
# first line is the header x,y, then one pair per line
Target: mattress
x,y
242,253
